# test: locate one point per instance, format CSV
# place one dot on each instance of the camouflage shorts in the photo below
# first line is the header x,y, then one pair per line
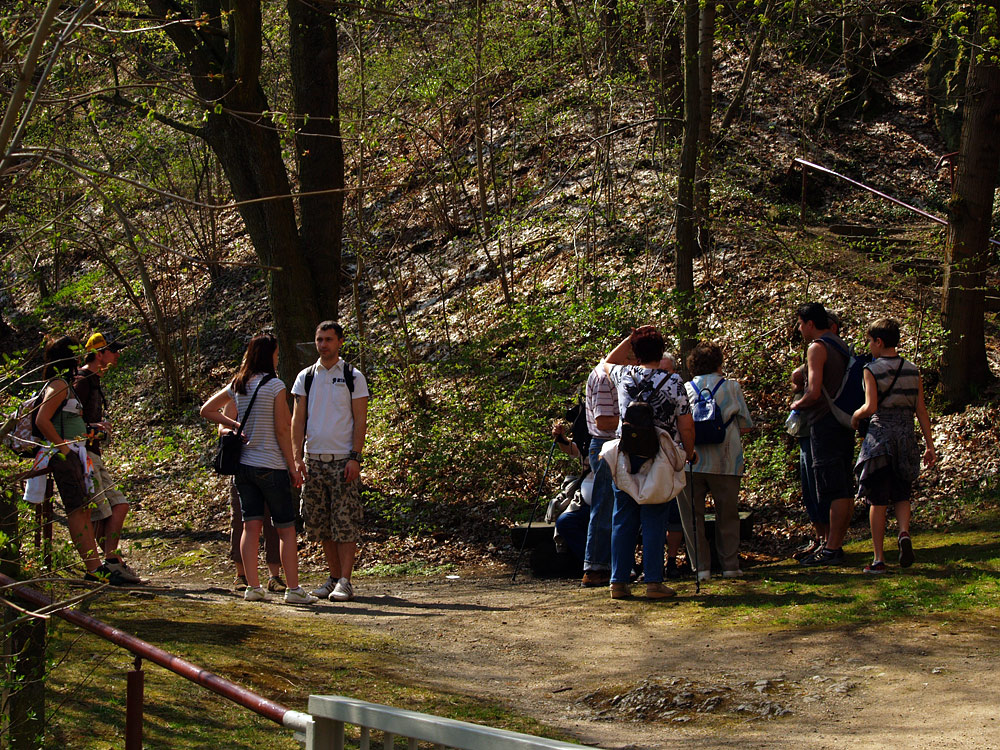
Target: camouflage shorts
x,y
331,507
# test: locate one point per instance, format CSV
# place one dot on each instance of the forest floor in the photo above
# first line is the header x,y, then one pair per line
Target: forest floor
x,y
637,674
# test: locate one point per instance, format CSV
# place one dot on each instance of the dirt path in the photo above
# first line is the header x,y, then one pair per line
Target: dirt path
x,y
622,675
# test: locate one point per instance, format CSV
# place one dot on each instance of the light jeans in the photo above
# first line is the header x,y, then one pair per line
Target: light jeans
x,y
602,502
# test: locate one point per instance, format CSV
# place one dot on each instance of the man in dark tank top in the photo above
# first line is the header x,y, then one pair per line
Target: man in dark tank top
x,y
832,443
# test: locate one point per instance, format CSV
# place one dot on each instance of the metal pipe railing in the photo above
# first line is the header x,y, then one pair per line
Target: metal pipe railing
x,y
277,713
885,196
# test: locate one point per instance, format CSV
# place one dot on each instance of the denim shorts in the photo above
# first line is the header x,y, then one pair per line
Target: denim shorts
x,y
263,490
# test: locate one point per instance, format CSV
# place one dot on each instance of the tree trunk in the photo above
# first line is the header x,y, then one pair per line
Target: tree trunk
x,y
752,59
702,185
313,59
303,269
612,27
664,61
686,245
964,366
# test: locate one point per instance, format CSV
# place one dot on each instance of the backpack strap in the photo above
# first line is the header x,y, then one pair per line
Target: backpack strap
x,y
39,400
349,376
246,414
662,382
310,377
842,351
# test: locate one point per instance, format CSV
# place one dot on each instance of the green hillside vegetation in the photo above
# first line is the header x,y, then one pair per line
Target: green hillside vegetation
x,y
511,178
479,318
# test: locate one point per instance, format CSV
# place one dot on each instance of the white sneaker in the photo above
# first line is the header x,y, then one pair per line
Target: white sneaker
x,y
299,596
326,589
124,571
342,592
704,575
732,573
254,594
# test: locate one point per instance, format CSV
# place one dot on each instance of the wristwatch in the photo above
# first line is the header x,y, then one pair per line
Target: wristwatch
x,y
354,456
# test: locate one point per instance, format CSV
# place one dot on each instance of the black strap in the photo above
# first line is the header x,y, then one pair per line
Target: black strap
x,y
658,387
246,415
891,383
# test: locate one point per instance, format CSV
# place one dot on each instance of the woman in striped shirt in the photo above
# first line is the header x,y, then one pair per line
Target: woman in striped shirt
x,y
889,461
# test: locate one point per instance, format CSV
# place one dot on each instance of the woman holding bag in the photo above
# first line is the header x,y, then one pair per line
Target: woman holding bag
x,y
633,367
266,470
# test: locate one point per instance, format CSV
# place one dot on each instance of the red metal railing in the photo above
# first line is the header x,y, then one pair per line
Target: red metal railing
x,y
277,713
807,165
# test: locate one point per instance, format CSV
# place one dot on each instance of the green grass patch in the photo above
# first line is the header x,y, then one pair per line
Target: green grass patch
x,y
283,658
411,568
957,574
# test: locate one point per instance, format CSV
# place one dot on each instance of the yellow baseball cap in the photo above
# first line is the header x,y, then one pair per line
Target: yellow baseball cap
x,y
97,342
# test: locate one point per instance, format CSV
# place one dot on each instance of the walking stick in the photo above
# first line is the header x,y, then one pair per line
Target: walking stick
x,y
541,486
695,534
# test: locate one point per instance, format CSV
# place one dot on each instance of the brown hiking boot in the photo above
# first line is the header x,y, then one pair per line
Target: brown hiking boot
x,y
620,591
659,591
595,579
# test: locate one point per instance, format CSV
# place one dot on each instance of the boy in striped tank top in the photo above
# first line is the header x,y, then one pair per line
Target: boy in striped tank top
x,y
889,461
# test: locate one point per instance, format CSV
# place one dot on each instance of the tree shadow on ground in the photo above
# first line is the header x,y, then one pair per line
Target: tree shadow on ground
x,y
160,630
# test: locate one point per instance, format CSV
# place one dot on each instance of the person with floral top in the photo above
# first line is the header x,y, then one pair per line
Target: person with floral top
x,y
633,367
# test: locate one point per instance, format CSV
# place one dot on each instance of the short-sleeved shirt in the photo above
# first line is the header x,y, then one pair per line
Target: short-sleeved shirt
x,y
87,385
601,401
725,457
903,394
261,449
330,422
669,401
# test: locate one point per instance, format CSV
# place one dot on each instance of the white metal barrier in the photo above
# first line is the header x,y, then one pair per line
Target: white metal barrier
x,y
325,730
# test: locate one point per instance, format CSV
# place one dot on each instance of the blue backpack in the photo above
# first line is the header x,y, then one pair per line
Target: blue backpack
x,y
709,427
850,396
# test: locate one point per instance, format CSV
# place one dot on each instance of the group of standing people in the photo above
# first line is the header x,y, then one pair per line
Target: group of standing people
x,y
888,462
632,496
316,446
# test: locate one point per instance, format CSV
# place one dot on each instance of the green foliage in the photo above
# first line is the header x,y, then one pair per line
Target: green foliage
x,y
771,465
79,291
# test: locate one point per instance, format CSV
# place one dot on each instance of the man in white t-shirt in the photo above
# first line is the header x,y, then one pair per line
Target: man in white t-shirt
x,y
329,422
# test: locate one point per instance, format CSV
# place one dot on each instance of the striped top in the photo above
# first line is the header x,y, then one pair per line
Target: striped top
x,y
602,401
903,394
261,449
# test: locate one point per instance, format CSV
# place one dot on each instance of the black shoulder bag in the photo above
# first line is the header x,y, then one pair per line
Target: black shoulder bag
x,y
227,455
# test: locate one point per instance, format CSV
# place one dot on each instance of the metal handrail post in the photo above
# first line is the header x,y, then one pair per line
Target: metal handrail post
x,y
47,518
238,694
134,708
802,200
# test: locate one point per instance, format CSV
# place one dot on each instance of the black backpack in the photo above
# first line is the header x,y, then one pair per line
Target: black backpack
x,y
348,377
639,436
